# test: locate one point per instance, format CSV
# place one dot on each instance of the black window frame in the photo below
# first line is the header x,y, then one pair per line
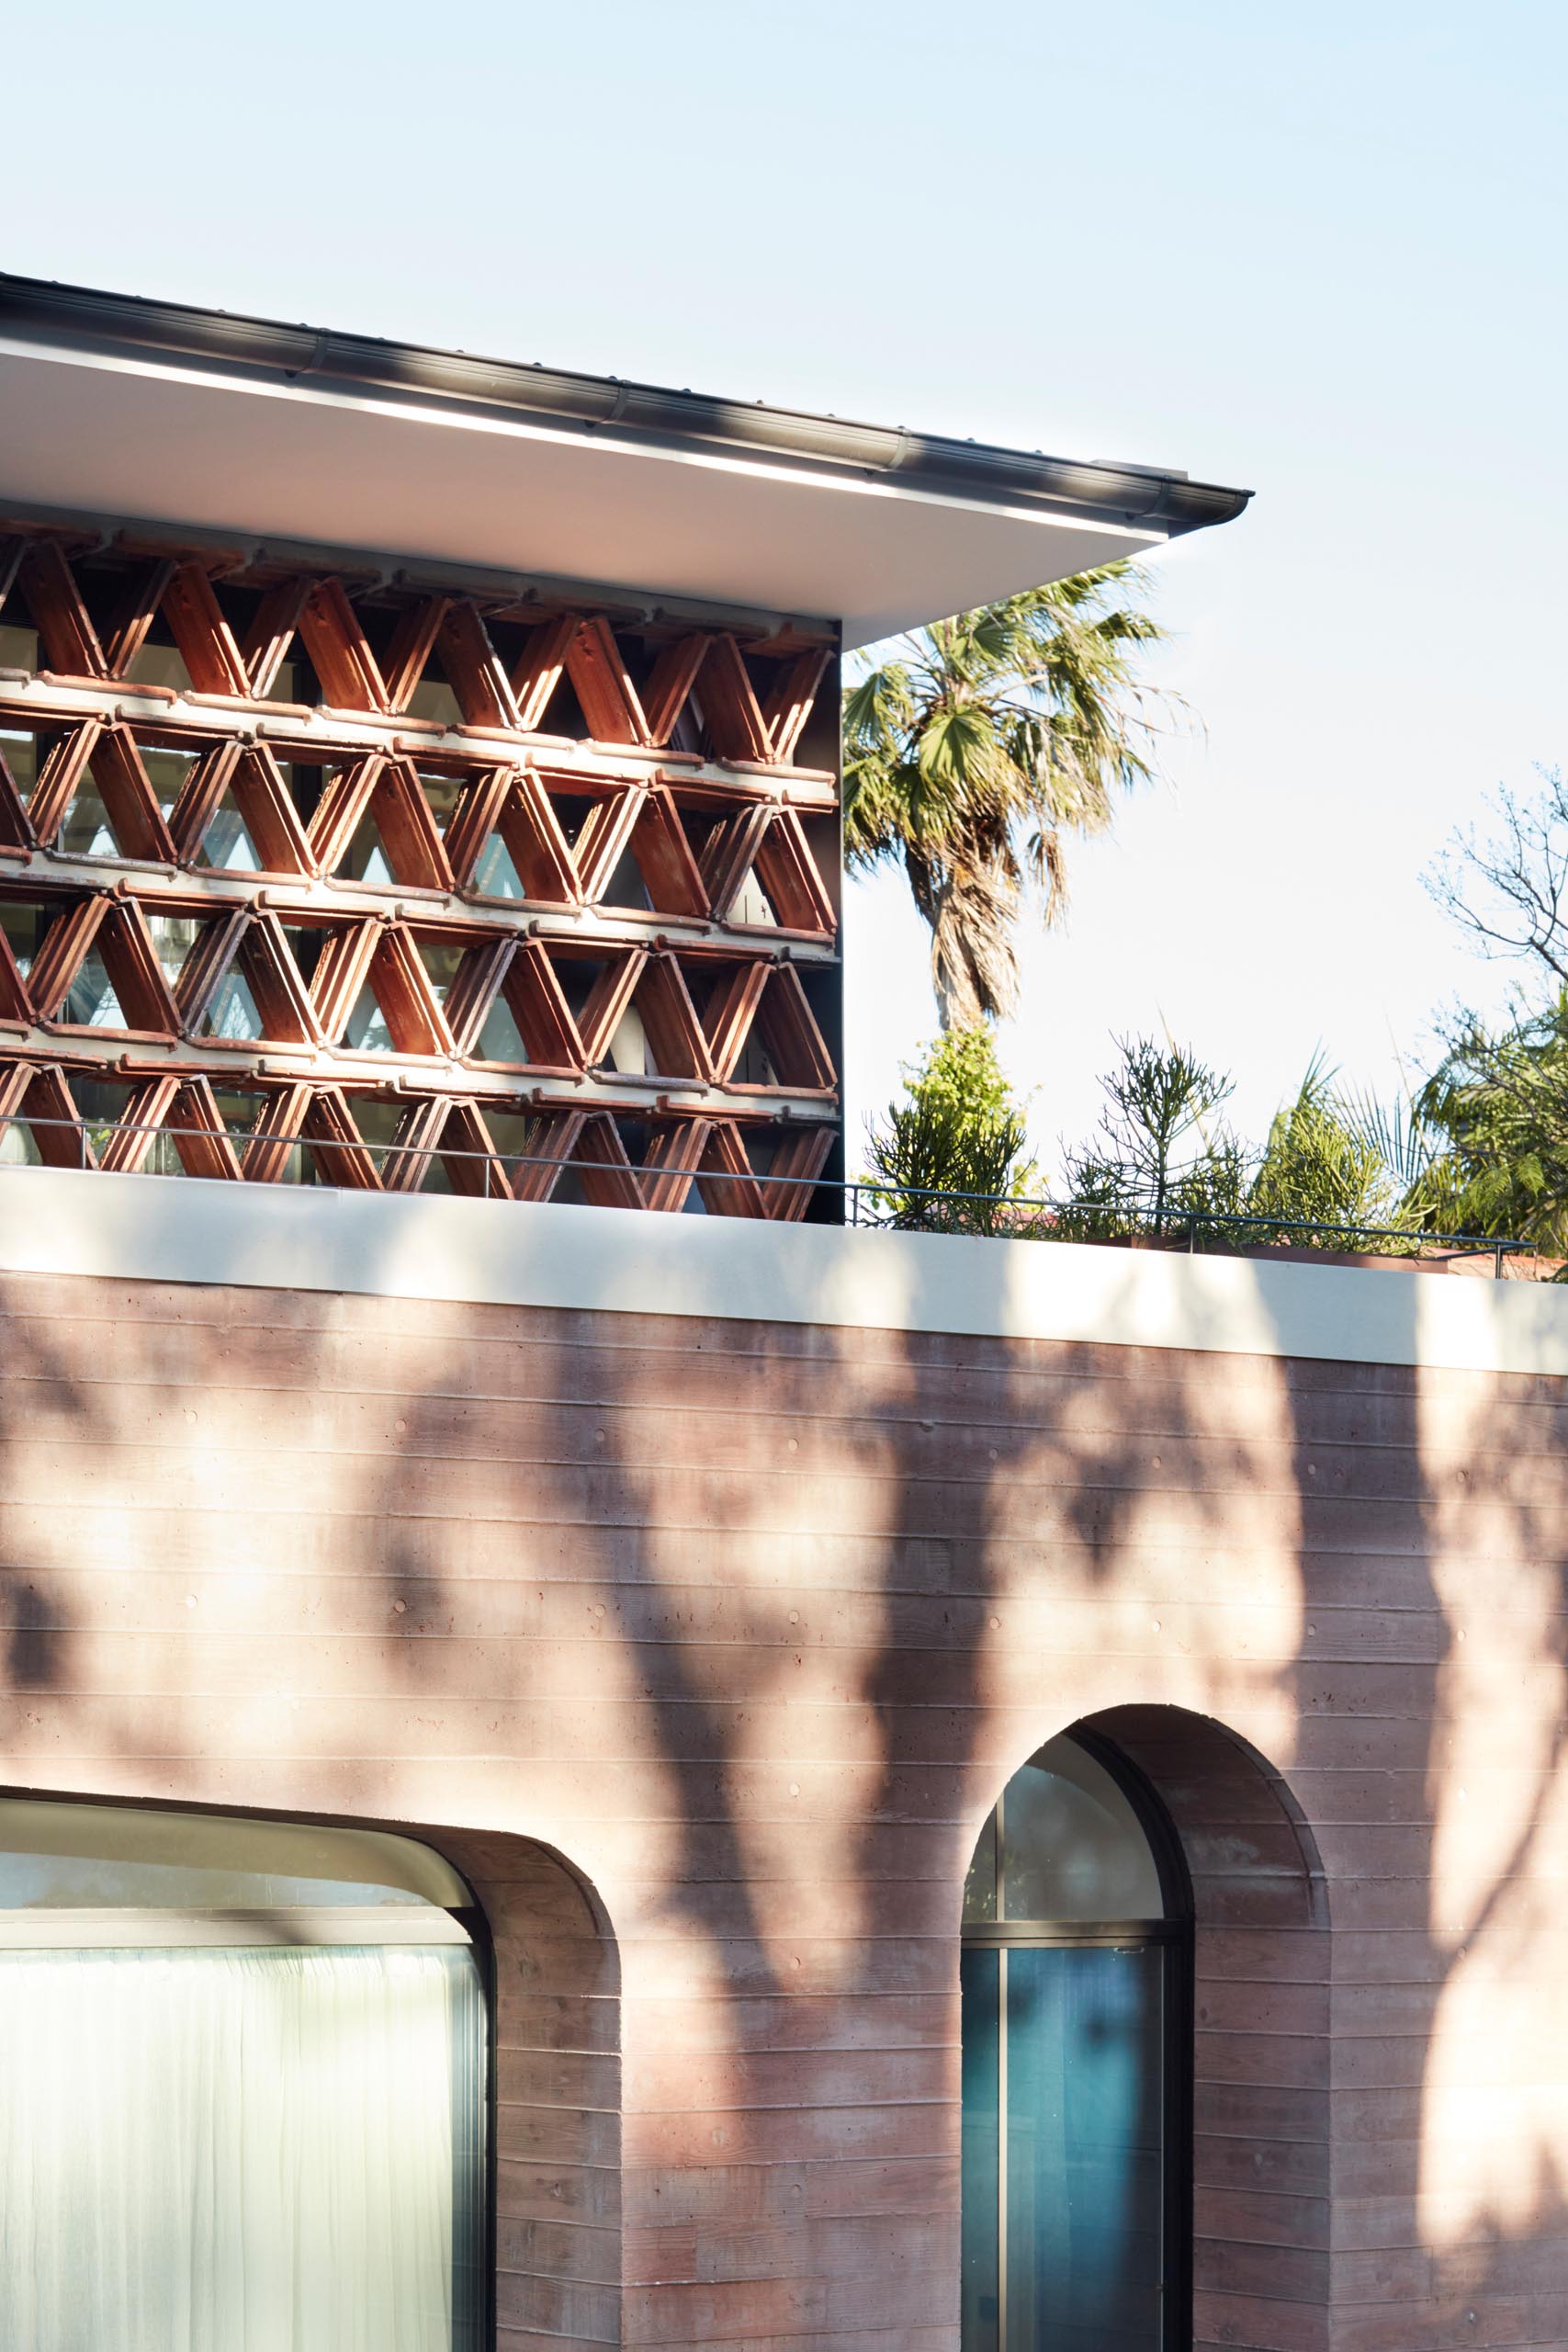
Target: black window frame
x,y
1174,1935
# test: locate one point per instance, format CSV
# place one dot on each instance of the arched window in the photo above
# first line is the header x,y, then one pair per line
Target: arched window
x,y
1076,1999
245,2074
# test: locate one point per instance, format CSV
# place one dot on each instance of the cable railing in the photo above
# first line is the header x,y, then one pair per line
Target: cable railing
x,y
865,1203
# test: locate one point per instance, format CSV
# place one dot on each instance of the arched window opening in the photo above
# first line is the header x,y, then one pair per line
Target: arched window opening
x,y
1076,1974
247,2087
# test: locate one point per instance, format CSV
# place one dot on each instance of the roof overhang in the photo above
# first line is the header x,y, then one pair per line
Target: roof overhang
x,y
159,412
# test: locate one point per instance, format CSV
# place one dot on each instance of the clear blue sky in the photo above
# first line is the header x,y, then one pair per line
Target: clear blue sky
x,y
1316,252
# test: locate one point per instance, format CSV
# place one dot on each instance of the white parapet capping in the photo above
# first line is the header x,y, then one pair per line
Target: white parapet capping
x,y
163,1229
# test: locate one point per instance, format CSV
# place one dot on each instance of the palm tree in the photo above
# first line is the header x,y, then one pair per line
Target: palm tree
x,y
978,744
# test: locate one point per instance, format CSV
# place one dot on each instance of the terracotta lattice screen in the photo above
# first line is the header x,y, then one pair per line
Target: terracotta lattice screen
x,y
308,876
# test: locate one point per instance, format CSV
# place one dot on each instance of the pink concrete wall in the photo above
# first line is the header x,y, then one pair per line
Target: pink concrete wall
x,y
751,1624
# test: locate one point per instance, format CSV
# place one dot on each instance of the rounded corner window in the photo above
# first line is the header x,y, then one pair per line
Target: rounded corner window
x,y
260,2046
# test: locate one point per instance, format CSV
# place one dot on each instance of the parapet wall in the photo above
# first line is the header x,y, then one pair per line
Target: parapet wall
x,y
743,1579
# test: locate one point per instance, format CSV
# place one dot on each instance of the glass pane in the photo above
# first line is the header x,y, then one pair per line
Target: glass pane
x,y
1084,2149
222,2150
1072,1846
441,962
90,1000
233,1012
443,792
159,665
167,772
366,860
226,842
86,831
495,877
501,1040
980,1980
174,936
23,755
367,1029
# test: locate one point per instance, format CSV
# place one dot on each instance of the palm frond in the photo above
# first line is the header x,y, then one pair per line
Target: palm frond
x,y
976,748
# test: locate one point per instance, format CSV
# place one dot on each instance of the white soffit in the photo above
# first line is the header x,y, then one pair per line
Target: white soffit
x,y
143,438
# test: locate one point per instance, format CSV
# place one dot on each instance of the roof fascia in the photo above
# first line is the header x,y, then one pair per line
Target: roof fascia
x,y
84,320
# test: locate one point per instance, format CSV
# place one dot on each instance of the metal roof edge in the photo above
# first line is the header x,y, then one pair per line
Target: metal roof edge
x,y
83,318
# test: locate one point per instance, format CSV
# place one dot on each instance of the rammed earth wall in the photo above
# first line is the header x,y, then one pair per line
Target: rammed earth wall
x,y
748,1621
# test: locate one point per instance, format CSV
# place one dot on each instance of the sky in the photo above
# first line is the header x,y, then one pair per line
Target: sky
x,y
1315,253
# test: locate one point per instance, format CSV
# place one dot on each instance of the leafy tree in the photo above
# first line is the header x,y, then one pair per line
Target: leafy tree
x,y
1332,1168
978,745
959,1130
1332,1171
1497,1112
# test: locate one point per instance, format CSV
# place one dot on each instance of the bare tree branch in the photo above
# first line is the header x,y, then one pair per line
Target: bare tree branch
x,y
1508,890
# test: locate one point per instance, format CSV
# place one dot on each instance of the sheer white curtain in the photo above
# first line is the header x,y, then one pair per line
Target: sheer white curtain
x,y
231,2151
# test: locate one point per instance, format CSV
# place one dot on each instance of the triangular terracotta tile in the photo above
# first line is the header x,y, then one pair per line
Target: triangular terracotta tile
x,y
64,948
512,808
284,1006
16,832
413,641
676,1042
526,1003
605,836
795,1046
798,1160
727,856
726,1181
602,685
235,808
791,702
272,632
730,1000
669,687
600,1167
67,638
135,612
657,844
539,669
339,1151
268,1151
340,652
61,761
393,979
788,873
671,1164
117,781
37,1098
475,671
730,709
206,641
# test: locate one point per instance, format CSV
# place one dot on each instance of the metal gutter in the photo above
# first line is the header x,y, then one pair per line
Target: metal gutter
x,y
82,318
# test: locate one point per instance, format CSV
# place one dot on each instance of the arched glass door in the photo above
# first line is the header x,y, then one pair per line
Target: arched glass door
x,y
1077,1994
